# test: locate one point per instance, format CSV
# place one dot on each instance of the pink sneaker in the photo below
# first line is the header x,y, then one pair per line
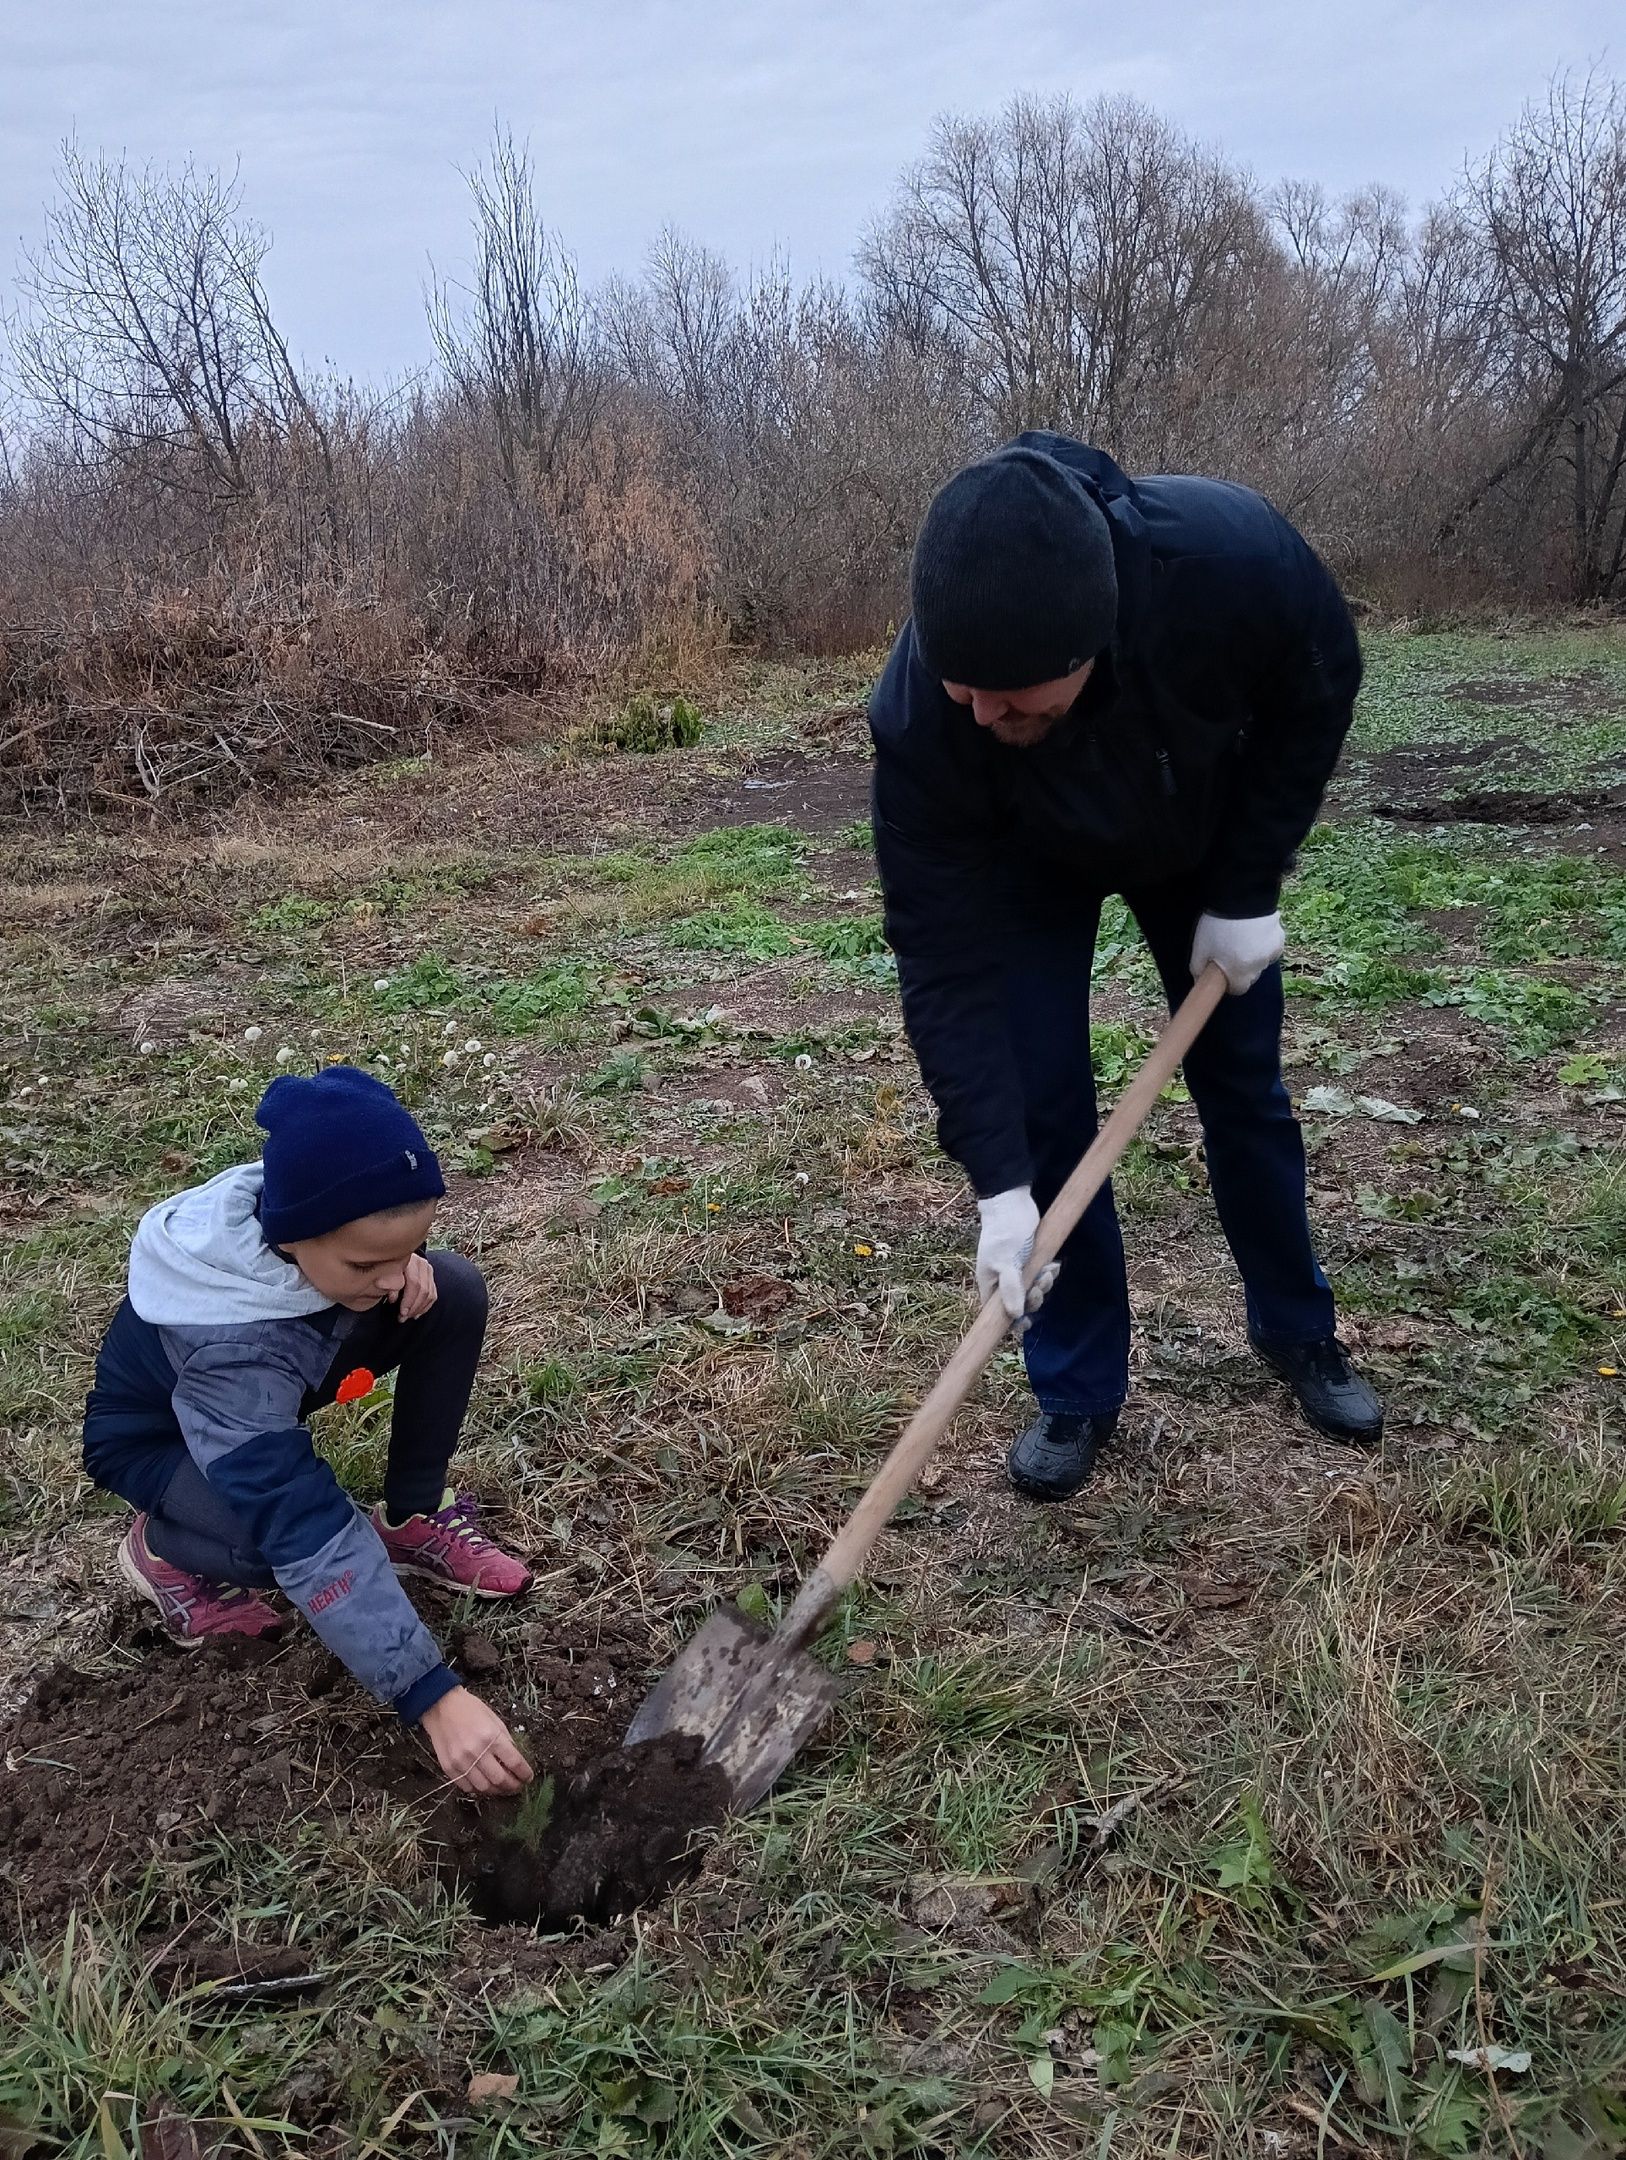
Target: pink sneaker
x,y
193,1611
448,1548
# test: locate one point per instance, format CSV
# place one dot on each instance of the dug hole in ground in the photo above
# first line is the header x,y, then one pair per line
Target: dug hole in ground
x,y
273,1733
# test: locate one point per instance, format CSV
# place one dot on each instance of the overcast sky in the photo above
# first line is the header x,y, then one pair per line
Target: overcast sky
x,y
749,123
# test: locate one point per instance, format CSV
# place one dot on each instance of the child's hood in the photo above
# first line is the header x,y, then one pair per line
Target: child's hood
x,y
201,1260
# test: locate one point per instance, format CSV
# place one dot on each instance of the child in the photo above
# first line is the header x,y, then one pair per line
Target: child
x,y
251,1299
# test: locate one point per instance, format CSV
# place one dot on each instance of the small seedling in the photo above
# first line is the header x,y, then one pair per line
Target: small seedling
x,y
533,1815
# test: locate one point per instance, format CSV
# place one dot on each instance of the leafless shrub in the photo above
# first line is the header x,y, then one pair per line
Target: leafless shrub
x,y
193,699
1550,206
148,337
515,347
612,483
804,424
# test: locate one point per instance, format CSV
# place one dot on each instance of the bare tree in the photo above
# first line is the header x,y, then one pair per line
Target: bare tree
x,y
1551,205
1076,253
516,343
146,334
668,331
1345,263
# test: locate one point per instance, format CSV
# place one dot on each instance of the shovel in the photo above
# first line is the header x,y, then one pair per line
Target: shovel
x,y
753,1698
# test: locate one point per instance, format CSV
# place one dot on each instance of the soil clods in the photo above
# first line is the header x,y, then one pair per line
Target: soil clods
x,y
622,1832
1503,807
120,1778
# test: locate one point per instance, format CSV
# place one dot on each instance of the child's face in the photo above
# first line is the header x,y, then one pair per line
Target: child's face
x,y
364,1262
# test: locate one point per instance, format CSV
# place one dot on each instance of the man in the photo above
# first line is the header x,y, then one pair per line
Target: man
x,y
1109,686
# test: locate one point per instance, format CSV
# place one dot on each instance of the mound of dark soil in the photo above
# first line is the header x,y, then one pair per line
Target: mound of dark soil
x,y
1501,807
114,1779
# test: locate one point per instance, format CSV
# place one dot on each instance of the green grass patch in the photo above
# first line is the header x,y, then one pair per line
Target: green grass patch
x,y
423,985
856,943
752,858
850,938
1540,710
524,1002
516,1004
628,890
1536,1017
1533,1500
742,926
295,915
1363,980
1603,1211
622,1073
1361,890
633,2068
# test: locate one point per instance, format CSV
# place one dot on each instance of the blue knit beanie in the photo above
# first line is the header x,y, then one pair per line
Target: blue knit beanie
x,y
338,1147
1013,580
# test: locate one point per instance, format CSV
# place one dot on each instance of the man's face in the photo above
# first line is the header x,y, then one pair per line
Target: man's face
x,y
362,1263
1021,718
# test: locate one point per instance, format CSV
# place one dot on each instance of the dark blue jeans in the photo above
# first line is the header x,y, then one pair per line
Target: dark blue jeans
x,y
1077,1349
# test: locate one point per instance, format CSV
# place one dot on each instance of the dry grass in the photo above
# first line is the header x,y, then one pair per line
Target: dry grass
x,y
1207,1815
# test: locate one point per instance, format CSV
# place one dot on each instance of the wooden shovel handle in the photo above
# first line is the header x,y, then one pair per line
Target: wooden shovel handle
x,y
840,1565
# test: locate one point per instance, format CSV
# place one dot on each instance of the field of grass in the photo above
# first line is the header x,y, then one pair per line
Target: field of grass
x,y
1268,1800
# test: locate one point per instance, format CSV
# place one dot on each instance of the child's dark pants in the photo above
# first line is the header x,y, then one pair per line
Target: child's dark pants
x,y
434,1356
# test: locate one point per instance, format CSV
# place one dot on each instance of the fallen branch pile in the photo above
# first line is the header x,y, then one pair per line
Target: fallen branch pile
x,y
144,714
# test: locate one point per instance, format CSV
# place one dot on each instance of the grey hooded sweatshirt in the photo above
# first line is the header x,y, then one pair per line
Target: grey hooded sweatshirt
x,y
217,1347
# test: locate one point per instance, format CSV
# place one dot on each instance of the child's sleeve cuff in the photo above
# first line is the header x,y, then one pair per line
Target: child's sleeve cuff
x,y
424,1693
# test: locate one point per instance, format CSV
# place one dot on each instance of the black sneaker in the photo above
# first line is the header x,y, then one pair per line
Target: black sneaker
x,y
1052,1459
1328,1389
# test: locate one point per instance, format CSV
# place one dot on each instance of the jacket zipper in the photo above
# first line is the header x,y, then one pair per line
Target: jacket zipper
x,y
1166,774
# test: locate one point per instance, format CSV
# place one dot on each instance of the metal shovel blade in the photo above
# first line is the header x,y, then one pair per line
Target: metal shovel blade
x,y
750,1703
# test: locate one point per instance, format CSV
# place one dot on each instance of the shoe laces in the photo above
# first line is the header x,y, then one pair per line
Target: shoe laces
x,y
458,1518
235,1594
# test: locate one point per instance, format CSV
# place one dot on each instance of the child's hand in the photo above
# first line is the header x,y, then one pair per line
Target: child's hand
x,y
418,1291
473,1745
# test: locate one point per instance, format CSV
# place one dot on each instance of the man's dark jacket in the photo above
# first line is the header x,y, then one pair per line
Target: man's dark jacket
x,y
1198,752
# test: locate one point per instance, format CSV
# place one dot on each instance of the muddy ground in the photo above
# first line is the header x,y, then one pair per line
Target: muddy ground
x,y
118,1780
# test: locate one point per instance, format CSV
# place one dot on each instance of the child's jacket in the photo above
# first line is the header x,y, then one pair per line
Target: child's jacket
x,y
215,1349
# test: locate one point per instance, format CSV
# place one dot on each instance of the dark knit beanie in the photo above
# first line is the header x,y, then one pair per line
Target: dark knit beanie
x,y
1013,580
338,1147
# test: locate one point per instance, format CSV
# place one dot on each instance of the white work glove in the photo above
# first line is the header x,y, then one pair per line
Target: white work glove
x,y
1009,1221
1243,945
